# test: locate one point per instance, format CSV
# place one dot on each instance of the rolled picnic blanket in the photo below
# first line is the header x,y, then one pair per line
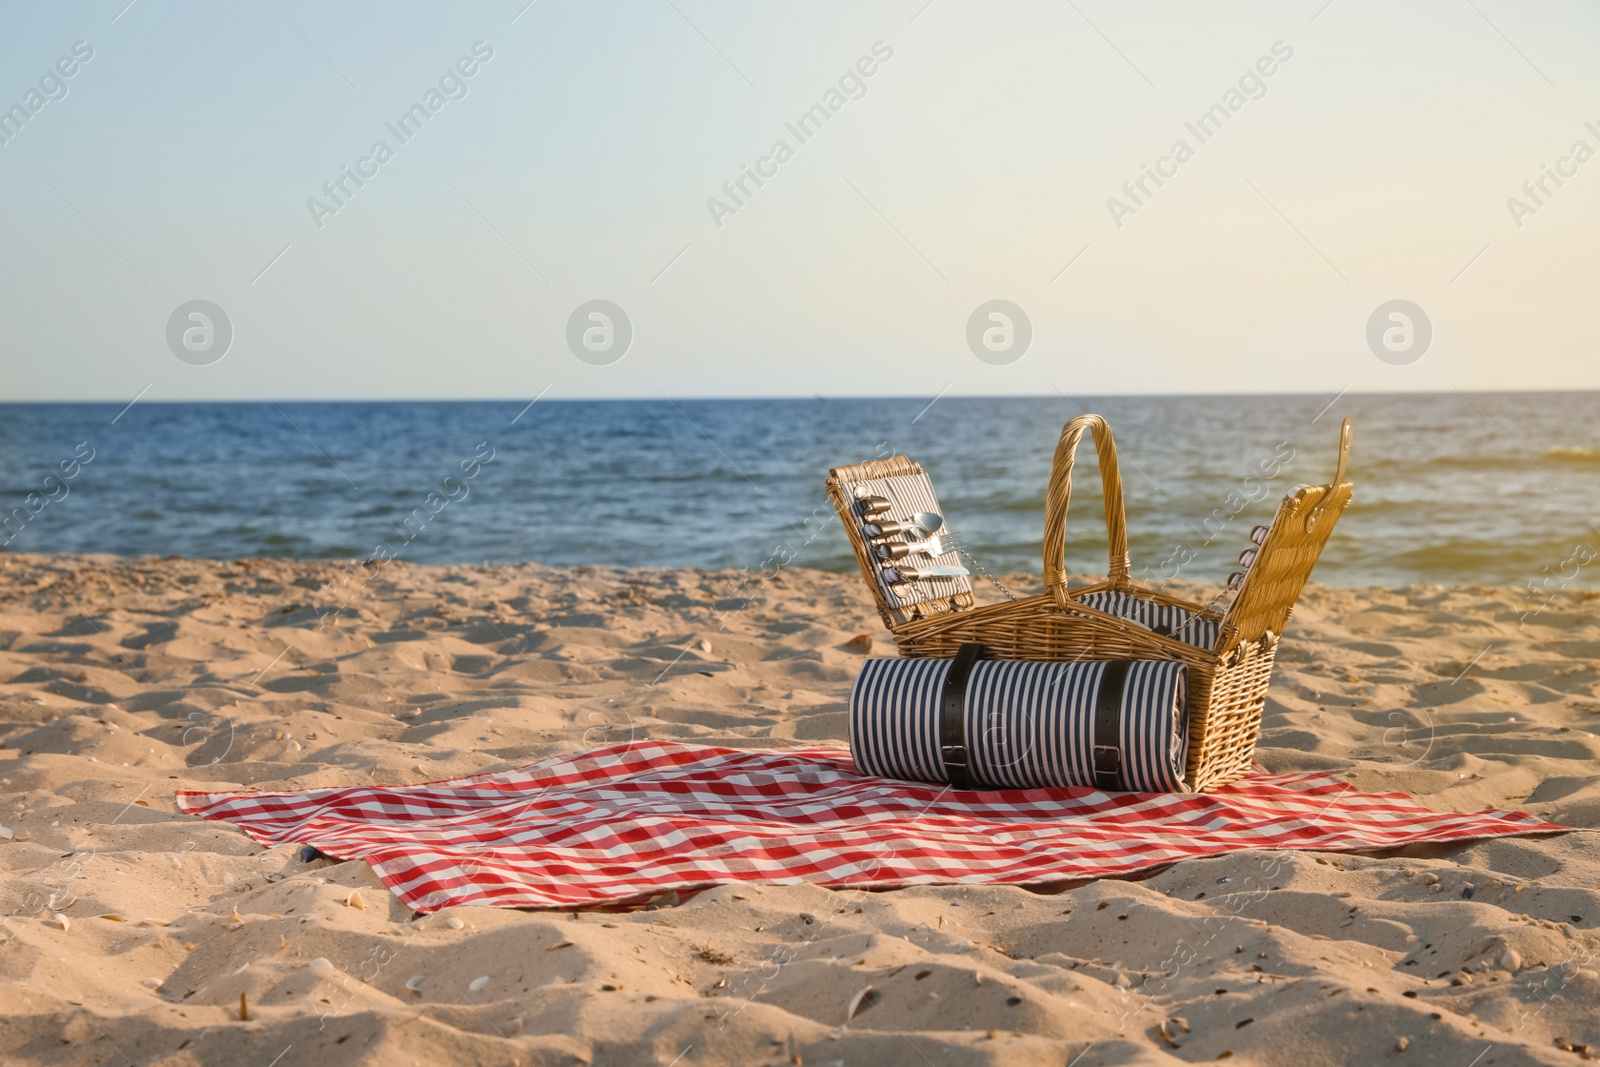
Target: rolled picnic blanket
x,y
977,723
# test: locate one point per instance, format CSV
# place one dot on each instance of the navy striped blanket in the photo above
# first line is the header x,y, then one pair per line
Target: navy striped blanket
x,y
1120,725
1186,626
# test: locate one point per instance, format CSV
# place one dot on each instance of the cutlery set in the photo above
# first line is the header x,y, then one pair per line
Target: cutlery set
x,y
920,534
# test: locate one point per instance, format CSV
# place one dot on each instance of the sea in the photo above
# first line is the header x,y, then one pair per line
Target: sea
x,y
1454,488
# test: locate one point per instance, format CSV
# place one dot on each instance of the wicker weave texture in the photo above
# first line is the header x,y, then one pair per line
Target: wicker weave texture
x,y
1227,685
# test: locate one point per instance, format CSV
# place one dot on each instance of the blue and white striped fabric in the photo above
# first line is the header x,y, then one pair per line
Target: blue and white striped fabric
x,y
1028,725
894,718
1175,622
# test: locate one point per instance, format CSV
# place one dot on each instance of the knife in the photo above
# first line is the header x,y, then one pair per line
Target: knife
x,y
889,551
909,574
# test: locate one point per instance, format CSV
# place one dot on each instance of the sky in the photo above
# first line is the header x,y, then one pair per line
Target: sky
x,y
958,154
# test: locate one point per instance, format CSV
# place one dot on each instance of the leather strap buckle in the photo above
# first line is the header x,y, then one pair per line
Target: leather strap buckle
x,y
1107,751
952,717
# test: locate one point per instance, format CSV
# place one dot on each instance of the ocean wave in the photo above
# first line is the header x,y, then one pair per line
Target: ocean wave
x,y
1467,461
1505,563
1573,454
1439,496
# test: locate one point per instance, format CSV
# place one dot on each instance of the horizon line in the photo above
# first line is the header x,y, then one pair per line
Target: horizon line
x,y
665,398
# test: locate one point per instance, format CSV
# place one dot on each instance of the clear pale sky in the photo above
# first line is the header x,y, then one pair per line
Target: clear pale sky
x,y
1375,164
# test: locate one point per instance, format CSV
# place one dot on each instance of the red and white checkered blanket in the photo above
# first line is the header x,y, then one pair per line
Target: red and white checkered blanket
x,y
631,821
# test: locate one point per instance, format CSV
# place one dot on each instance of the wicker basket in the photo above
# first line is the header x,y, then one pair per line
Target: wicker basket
x,y
1227,683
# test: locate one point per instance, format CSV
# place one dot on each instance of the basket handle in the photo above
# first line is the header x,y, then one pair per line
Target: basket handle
x,y
1059,496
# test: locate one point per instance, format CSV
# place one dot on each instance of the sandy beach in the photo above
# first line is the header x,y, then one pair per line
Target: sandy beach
x,y
132,931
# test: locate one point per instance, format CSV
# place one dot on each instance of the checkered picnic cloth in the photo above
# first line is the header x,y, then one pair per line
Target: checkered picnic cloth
x,y
632,821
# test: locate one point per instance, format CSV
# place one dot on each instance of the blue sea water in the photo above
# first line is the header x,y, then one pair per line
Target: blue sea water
x,y
1451,488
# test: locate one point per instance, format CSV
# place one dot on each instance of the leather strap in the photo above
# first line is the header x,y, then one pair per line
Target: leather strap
x,y
953,717
1107,725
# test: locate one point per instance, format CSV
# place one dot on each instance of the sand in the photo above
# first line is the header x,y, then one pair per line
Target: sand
x,y
132,932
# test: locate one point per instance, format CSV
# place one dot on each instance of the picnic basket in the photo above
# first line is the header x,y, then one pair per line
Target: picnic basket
x,y
1228,678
